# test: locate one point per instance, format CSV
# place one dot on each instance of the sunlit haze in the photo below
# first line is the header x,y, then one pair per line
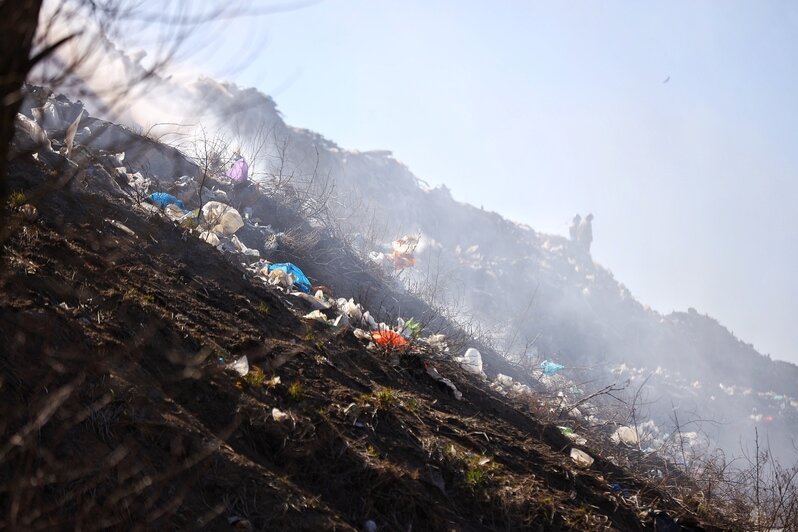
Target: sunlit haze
x,y
672,122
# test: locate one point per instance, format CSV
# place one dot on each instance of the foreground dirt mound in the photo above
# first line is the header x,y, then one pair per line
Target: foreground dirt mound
x,y
118,411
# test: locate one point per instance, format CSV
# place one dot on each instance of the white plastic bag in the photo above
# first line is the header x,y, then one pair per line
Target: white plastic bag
x,y
471,361
625,435
222,218
581,458
210,238
240,366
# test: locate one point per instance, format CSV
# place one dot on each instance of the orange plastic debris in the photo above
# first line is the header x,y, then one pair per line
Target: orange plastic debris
x,y
403,250
389,339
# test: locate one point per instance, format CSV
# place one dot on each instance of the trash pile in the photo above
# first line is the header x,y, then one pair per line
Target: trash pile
x,y
209,214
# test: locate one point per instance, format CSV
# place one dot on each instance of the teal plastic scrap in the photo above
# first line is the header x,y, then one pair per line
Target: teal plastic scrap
x,y
162,199
550,368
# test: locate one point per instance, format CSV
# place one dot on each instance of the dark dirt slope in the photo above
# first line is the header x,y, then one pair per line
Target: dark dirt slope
x,y
116,412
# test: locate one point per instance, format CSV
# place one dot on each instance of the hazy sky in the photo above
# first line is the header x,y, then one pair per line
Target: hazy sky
x,y
540,110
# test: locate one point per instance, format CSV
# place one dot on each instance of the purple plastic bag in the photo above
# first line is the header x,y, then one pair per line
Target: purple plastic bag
x,y
238,173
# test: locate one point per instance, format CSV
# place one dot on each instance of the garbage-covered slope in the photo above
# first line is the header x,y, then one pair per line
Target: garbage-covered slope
x,y
532,289
119,411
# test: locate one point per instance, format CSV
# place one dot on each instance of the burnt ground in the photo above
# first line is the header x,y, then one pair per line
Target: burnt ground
x,y
117,414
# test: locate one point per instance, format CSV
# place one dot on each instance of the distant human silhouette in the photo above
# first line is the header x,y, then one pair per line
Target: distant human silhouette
x,y
574,229
585,233
581,232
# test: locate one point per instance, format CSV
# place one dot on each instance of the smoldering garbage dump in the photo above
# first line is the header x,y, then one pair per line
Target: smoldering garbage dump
x,y
571,342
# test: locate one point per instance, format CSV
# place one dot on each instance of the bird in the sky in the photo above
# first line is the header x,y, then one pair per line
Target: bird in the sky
x,y
667,80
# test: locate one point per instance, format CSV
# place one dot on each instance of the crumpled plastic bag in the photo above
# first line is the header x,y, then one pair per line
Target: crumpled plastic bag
x,y
222,218
34,136
242,248
163,200
625,435
280,278
437,341
300,280
210,238
550,368
316,315
360,334
471,361
569,433
432,372
279,415
581,458
317,302
351,309
240,366
173,212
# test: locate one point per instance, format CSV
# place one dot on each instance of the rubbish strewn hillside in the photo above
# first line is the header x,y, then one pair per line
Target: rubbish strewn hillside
x,y
533,296
155,376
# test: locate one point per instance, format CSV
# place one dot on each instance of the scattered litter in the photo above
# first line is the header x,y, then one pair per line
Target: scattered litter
x,y
352,310
29,212
360,334
278,415
121,227
214,195
389,339
240,366
625,435
316,315
241,248
300,281
174,212
573,436
36,137
69,138
222,218
316,301
504,384
581,458
403,250
371,322
504,380
410,329
162,199
279,278
341,322
550,368
210,238
432,372
437,342
47,115
136,181
471,361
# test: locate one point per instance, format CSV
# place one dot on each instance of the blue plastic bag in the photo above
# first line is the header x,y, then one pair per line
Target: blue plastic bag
x,y
162,199
550,368
300,281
